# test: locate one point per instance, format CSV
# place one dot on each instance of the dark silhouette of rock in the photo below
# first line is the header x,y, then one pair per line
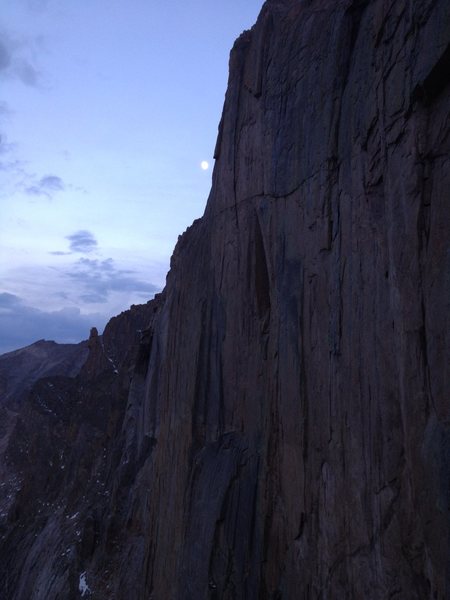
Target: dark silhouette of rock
x,y
20,369
58,465
281,430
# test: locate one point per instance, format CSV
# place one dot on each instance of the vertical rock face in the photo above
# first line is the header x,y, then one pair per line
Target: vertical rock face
x,y
283,431
302,356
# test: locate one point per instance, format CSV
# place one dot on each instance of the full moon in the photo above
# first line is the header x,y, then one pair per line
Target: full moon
x,y
204,165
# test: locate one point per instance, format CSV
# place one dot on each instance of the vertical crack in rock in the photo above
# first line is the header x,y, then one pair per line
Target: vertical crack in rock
x,y
261,274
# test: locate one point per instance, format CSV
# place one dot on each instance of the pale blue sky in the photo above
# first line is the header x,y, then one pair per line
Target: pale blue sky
x,y
107,109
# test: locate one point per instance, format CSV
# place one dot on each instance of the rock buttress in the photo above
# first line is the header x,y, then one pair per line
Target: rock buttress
x,y
298,394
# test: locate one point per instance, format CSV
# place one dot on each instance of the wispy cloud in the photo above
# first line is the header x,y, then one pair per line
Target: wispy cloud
x,y
14,176
82,241
17,59
18,179
46,186
6,147
97,279
21,324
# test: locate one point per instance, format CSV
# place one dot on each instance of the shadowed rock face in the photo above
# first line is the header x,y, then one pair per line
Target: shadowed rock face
x,y
21,368
19,371
60,466
282,431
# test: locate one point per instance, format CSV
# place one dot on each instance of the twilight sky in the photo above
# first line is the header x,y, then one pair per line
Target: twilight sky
x,y
107,109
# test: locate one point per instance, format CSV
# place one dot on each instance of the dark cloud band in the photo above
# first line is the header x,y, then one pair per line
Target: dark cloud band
x,y
82,241
21,325
98,278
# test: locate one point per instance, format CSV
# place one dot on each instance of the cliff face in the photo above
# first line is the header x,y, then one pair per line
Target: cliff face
x,y
283,430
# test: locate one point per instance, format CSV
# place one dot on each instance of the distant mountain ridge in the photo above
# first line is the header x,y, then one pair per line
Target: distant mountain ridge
x,y
21,368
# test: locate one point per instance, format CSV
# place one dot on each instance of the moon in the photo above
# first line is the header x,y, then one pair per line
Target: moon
x,y
204,165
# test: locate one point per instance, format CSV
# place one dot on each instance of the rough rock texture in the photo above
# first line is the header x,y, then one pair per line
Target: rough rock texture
x,y
20,369
284,430
58,465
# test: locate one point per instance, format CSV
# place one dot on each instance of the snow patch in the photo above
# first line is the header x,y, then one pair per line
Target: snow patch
x,y
113,364
83,587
